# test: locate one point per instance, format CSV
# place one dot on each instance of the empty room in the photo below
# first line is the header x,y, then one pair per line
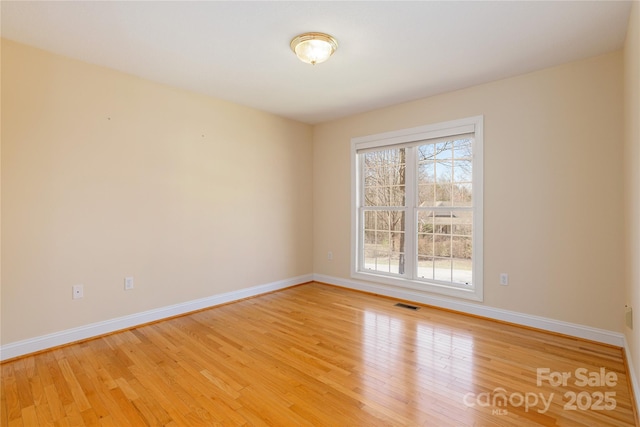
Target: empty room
x,y
316,213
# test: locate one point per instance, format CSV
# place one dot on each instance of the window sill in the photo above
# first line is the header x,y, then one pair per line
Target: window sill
x,y
473,293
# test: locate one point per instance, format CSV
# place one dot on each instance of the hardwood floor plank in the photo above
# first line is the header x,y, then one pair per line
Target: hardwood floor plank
x,y
53,401
25,398
73,416
4,418
10,399
318,355
77,392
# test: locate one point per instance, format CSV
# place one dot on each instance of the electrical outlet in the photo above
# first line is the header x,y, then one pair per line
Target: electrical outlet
x,y
504,279
128,283
77,291
628,316
329,256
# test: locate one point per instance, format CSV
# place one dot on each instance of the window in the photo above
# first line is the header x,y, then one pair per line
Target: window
x,y
417,208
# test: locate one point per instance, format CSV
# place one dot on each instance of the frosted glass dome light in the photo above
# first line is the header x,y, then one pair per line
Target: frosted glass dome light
x,y
314,48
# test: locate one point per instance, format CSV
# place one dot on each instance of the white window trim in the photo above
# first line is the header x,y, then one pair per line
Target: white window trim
x,y
405,137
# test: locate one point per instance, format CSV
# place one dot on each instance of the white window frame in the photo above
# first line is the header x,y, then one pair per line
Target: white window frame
x,y
411,137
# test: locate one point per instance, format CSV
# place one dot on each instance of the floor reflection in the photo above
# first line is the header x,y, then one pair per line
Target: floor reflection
x,y
417,364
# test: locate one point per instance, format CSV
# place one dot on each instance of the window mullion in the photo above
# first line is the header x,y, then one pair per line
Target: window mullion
x,y
359,182
411,195
360,237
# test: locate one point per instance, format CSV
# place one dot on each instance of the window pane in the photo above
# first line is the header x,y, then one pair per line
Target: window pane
x,y
396,221
369,257
384,241
462,271
443,194
370,238
370,220
461,186
397,195
384,177
462,223
397,242
396,264
426,152
444,150
442,221
462,148
462,170
461,247
445,174
425,244
384,196
382,220
426,172
442,246
444,171
426,175
445,245
442,269
371,196
425,267
462,194
427,195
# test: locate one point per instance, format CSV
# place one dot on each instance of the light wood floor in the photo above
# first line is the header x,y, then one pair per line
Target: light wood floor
x,y
316,355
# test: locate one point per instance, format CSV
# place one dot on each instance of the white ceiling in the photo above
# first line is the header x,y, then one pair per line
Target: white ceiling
x,y
389,51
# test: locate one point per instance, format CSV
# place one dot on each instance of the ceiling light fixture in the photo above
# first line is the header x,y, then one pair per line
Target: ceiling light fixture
x,y
314,48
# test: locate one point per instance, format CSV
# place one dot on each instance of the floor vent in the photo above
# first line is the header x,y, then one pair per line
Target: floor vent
x,y
410,307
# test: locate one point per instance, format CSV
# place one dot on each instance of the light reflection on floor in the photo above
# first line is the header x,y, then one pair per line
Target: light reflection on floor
x,y
437,377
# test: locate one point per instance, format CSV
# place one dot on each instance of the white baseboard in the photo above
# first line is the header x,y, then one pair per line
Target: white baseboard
x,y
20,348
635,387
552,325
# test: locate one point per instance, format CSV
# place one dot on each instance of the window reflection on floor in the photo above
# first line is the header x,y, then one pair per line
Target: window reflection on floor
x,y
444,356
413,361
383,338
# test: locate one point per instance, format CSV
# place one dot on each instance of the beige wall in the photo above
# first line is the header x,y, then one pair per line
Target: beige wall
x,y
105,175
0,194
553,197
632,178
